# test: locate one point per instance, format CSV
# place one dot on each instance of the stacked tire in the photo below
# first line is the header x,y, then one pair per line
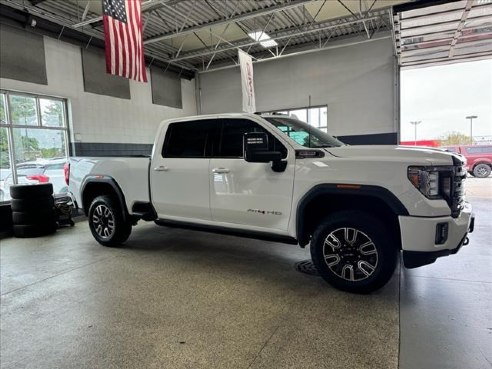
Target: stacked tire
x,y
33,211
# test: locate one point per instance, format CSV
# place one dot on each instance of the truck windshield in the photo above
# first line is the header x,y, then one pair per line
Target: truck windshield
x,y
303,133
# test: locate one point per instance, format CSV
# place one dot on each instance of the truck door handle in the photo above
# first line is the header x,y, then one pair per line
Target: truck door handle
x,y
220,170
161,168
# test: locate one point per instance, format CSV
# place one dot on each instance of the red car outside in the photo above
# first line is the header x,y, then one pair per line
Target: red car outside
x,y
478,157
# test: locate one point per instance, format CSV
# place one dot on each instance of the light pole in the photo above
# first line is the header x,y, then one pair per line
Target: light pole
x,y
415,124
471,117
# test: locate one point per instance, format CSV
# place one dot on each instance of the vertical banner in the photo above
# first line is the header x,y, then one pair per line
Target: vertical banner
x,y
123,39
247,83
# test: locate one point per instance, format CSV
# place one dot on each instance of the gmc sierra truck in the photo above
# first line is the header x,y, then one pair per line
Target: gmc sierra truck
x,y
276,178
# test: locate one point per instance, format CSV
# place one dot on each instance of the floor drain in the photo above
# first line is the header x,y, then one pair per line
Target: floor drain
x,y
307,267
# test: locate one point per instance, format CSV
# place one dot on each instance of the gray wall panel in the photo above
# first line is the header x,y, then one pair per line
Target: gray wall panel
x,y
22,56
97,81
355,81
166,88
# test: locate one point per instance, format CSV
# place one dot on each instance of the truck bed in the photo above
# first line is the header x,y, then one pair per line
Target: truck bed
x,y
130,173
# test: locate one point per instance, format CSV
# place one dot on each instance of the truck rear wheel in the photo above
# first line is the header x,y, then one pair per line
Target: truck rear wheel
x,y
354,252
107,222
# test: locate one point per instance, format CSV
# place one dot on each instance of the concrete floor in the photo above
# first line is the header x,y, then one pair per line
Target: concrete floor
x,y
180,299
446,307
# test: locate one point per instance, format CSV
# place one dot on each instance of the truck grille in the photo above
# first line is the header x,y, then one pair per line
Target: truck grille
x,y
457,191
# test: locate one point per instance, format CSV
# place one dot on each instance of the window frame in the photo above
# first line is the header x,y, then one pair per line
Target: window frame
x,y
209,152
9,126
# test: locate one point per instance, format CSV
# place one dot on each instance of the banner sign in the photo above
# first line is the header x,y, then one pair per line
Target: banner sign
x,y
247,83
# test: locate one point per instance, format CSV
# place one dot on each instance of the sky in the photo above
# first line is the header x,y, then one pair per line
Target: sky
x,y
442,96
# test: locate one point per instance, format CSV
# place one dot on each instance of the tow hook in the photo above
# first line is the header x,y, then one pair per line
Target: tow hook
x,y
466,241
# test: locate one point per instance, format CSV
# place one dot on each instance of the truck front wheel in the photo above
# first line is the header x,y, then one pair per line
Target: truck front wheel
x,y
107,222
353,251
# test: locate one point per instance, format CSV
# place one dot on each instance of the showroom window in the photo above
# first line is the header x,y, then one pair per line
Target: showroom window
x,y
317,116
33,135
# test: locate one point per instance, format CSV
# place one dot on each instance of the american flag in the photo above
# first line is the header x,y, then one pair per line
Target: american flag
x,y
123,39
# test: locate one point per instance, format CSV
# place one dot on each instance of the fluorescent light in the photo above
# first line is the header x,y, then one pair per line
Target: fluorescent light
x,y
265,40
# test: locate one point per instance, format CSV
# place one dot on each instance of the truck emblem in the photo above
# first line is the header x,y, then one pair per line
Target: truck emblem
x,y
265,212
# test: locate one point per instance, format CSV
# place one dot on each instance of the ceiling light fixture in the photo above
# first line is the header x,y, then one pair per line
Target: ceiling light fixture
x,y
265,40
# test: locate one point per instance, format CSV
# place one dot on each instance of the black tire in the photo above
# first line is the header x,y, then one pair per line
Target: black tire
x,y
481,170
31,231
23,192
354,268
40,204
34,218
107,222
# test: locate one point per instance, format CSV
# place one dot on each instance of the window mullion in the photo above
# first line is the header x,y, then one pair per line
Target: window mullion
x,y
38,112
10,138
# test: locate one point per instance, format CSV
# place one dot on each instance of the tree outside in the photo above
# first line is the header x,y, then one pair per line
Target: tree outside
x,y
455,138
4,149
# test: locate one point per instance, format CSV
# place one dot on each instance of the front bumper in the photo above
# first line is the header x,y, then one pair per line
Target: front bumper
x,y
419,239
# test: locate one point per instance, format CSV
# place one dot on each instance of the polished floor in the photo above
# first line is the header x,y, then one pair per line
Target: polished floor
x,y
180,299
446,307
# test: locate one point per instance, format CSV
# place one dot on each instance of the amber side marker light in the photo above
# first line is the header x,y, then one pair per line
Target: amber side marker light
x,y
353,187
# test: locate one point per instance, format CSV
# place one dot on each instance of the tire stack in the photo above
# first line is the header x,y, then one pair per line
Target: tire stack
x,y
33,212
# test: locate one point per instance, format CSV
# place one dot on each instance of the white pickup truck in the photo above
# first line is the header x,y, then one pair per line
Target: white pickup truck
x,y
276,178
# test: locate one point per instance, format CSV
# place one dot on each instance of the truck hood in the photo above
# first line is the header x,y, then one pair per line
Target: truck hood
x,y
406,154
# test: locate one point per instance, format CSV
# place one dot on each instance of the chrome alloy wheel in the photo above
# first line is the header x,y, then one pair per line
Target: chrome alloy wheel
x,y
103,221
482,171
350,254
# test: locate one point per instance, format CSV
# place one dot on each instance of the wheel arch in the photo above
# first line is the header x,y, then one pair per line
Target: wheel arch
x,y
482,161
98,186
324,199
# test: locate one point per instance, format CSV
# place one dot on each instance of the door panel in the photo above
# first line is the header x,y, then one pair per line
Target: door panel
x,y
179,175
180,187
250,194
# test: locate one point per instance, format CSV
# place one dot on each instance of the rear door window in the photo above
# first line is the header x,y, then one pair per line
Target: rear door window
x,y
189,139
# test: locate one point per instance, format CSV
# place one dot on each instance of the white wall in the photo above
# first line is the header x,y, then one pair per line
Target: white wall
x,y
357,83
97,118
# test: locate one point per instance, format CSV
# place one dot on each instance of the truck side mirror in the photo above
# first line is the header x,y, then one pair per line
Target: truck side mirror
x,y
255,145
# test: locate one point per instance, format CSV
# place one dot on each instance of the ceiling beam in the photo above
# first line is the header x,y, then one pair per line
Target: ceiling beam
x,y
238,18
54,18
286,35
36,2
146,6
296,53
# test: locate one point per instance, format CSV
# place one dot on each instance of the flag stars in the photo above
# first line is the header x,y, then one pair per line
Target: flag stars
x,y
115,9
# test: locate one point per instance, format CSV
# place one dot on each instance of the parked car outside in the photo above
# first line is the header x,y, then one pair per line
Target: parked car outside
x,y
478,157
34,172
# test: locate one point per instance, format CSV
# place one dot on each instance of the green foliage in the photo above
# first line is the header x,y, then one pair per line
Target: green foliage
x,y
4,149
3,118
23,110
53,114
455,138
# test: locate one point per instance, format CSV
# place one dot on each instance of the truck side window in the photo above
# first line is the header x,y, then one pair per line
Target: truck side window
x,y
230,144
189,139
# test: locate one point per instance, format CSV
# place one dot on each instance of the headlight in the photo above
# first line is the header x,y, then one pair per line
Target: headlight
x,y
432,182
